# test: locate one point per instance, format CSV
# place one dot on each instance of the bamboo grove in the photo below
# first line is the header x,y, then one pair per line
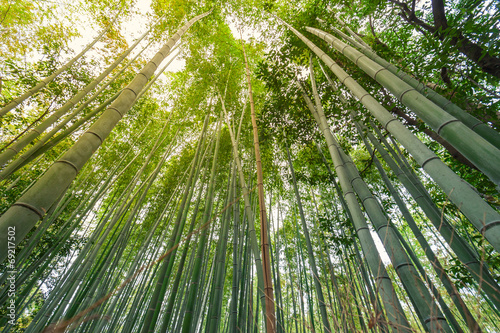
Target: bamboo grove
x,y
317,166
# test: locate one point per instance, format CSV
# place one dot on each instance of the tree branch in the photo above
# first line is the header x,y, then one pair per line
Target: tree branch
x,y
473,51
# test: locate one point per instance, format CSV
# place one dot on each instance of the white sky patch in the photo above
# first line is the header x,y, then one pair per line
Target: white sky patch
x,y
131,29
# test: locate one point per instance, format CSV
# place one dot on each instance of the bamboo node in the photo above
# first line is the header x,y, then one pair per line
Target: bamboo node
x,y
428,160
37,211
97,135
434,318
115,109
487,226
476,124
376,73
383,277
68,163
402,265
446,123
382,226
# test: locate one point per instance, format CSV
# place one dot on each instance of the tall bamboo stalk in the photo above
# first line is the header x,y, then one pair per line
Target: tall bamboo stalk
x,y
266,263
392,306
310,253
248,211
187,323
419,295
470,121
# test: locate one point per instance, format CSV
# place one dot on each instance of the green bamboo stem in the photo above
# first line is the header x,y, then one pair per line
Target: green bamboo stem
x,y
68,286
470,121
248,210
280,325
291,283
187,323
312,262
478,269
303,275
30,155
329,266
40,147
440,272
173,293
214,312
233,318
124,233
424,304
167,264
63,135
22,142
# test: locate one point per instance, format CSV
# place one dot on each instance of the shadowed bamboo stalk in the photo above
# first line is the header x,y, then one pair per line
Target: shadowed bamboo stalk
x,y
395,313
214,312
33,205
479,271
440,272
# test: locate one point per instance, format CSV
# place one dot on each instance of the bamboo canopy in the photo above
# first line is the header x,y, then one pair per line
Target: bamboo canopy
x,y
250,166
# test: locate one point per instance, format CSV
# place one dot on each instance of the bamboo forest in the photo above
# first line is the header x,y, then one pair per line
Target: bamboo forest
x,y
249,166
